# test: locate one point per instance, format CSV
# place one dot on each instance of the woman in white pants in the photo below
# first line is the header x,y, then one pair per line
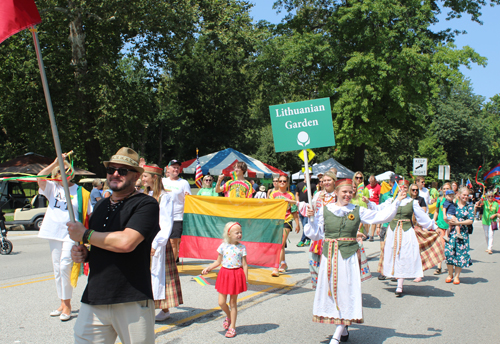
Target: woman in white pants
x,y
54,229
490,214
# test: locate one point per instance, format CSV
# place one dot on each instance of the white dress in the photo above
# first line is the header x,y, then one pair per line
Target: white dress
x,y
350,309
159,244
408,263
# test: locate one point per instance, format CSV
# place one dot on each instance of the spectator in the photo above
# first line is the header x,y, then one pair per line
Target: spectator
x,y
206,187
179,188
118,299
274,188
414,193
106,191
261,193
255,186
95,194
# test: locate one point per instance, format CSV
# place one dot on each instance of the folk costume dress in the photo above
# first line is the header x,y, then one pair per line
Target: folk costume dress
x,y
165,280
338,297
409,251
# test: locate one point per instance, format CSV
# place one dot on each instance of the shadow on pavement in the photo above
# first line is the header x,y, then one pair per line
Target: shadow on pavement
x,y
422,290
472,280
371,301
255,329
378,335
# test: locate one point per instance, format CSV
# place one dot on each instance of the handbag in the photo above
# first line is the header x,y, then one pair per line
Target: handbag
x,y
494,225
470,228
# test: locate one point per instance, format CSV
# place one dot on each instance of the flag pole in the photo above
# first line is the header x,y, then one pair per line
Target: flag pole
x,y
53,125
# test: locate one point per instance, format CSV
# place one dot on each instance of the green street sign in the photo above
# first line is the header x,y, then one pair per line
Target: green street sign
x,y
302,125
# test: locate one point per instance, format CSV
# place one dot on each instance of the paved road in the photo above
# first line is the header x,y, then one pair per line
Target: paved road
x,y
274,310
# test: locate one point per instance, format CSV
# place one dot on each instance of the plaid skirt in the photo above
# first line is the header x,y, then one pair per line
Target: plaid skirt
x,y
173,292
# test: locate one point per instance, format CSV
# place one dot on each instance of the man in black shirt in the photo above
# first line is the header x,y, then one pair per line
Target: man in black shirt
x,y
118,299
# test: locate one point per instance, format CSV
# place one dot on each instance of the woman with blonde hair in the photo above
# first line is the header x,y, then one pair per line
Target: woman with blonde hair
x,y
165,280
54,229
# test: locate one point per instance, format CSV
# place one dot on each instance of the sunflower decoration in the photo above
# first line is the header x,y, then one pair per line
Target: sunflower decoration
x,y
350,217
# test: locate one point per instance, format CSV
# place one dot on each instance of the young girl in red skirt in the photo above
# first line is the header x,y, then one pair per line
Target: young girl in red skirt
x,y
233,274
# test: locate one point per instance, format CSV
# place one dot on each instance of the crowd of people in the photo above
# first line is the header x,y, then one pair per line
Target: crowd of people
x,y
130,237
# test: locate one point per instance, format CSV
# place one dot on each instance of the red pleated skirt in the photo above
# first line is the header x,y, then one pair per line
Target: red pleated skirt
x,y
231,281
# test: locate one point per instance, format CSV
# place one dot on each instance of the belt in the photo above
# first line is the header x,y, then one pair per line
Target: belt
x,y
332,242
399,226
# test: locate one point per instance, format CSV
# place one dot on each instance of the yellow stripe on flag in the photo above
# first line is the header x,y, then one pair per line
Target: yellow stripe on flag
x,y
384,187
246,208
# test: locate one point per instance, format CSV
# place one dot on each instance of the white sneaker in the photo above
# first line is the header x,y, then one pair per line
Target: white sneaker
x,y
162,316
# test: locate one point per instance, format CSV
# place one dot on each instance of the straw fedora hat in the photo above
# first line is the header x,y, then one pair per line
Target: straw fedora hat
x,y
126,156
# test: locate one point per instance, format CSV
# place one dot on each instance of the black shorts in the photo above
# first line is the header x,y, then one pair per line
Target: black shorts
x,y
383,232
287,225
176,230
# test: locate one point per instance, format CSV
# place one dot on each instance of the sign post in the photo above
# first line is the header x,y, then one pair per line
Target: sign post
x,y
302,125
444,172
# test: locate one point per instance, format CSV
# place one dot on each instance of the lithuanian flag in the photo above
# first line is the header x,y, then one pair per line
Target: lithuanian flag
x,y
261,221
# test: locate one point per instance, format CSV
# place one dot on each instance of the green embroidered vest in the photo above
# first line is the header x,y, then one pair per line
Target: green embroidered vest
x,y
403,213
341,227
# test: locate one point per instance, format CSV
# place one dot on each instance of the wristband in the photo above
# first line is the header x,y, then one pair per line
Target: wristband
x,y
90,234
85,238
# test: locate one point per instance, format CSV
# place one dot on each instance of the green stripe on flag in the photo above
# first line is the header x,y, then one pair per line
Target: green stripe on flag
x,y
254,230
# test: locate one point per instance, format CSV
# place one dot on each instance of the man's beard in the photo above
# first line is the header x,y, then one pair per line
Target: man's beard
x,y
125,186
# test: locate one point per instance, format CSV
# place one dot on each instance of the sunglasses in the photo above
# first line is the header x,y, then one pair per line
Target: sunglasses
x,y
122,171
275,181
282,181
414,189
208,180
358,178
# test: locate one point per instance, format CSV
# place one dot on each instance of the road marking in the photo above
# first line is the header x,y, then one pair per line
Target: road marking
x,y
28,281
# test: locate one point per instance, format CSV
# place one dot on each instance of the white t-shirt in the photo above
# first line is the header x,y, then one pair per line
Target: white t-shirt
x,y
178,188
232,255
425,194
54,223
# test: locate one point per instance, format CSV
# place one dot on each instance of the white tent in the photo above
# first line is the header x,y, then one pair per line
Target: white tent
x,y
342,171
384,176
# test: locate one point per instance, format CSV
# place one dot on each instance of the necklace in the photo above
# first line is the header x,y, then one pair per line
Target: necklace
x,y
328,200
114,205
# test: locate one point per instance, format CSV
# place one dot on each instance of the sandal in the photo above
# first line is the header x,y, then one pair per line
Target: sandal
x,y
283,268
231,333
275,273
456,281
438,271
226,323
448,279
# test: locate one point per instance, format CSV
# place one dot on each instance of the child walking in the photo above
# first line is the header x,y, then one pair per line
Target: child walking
x,y
233,275
449,212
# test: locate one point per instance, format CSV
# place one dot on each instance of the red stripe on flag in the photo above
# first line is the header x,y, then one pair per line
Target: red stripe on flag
x,y
17,15
260,254
199,175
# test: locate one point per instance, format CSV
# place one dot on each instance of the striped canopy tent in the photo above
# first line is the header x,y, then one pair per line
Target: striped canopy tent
x,y
222,162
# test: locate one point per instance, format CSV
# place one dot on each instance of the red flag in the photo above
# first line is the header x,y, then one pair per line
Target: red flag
x,y
17,15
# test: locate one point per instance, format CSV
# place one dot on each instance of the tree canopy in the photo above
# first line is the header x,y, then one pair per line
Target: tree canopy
x,y
168,76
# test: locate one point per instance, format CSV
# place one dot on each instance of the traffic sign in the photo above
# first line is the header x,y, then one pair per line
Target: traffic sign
x,y
419,167
310,155
304,170
302,125
444,172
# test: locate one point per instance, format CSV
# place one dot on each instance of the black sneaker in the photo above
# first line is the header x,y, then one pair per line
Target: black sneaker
x,y
381,277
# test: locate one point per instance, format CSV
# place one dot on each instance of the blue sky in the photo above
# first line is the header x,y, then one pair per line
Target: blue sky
x,y
479,37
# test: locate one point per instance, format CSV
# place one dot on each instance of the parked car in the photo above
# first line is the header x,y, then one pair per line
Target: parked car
x,y
31,215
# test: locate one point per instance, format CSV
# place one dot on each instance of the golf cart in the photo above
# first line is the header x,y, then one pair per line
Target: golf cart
x,y
32,214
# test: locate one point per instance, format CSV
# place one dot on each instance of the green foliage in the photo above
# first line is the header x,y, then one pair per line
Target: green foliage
x,y
167,77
